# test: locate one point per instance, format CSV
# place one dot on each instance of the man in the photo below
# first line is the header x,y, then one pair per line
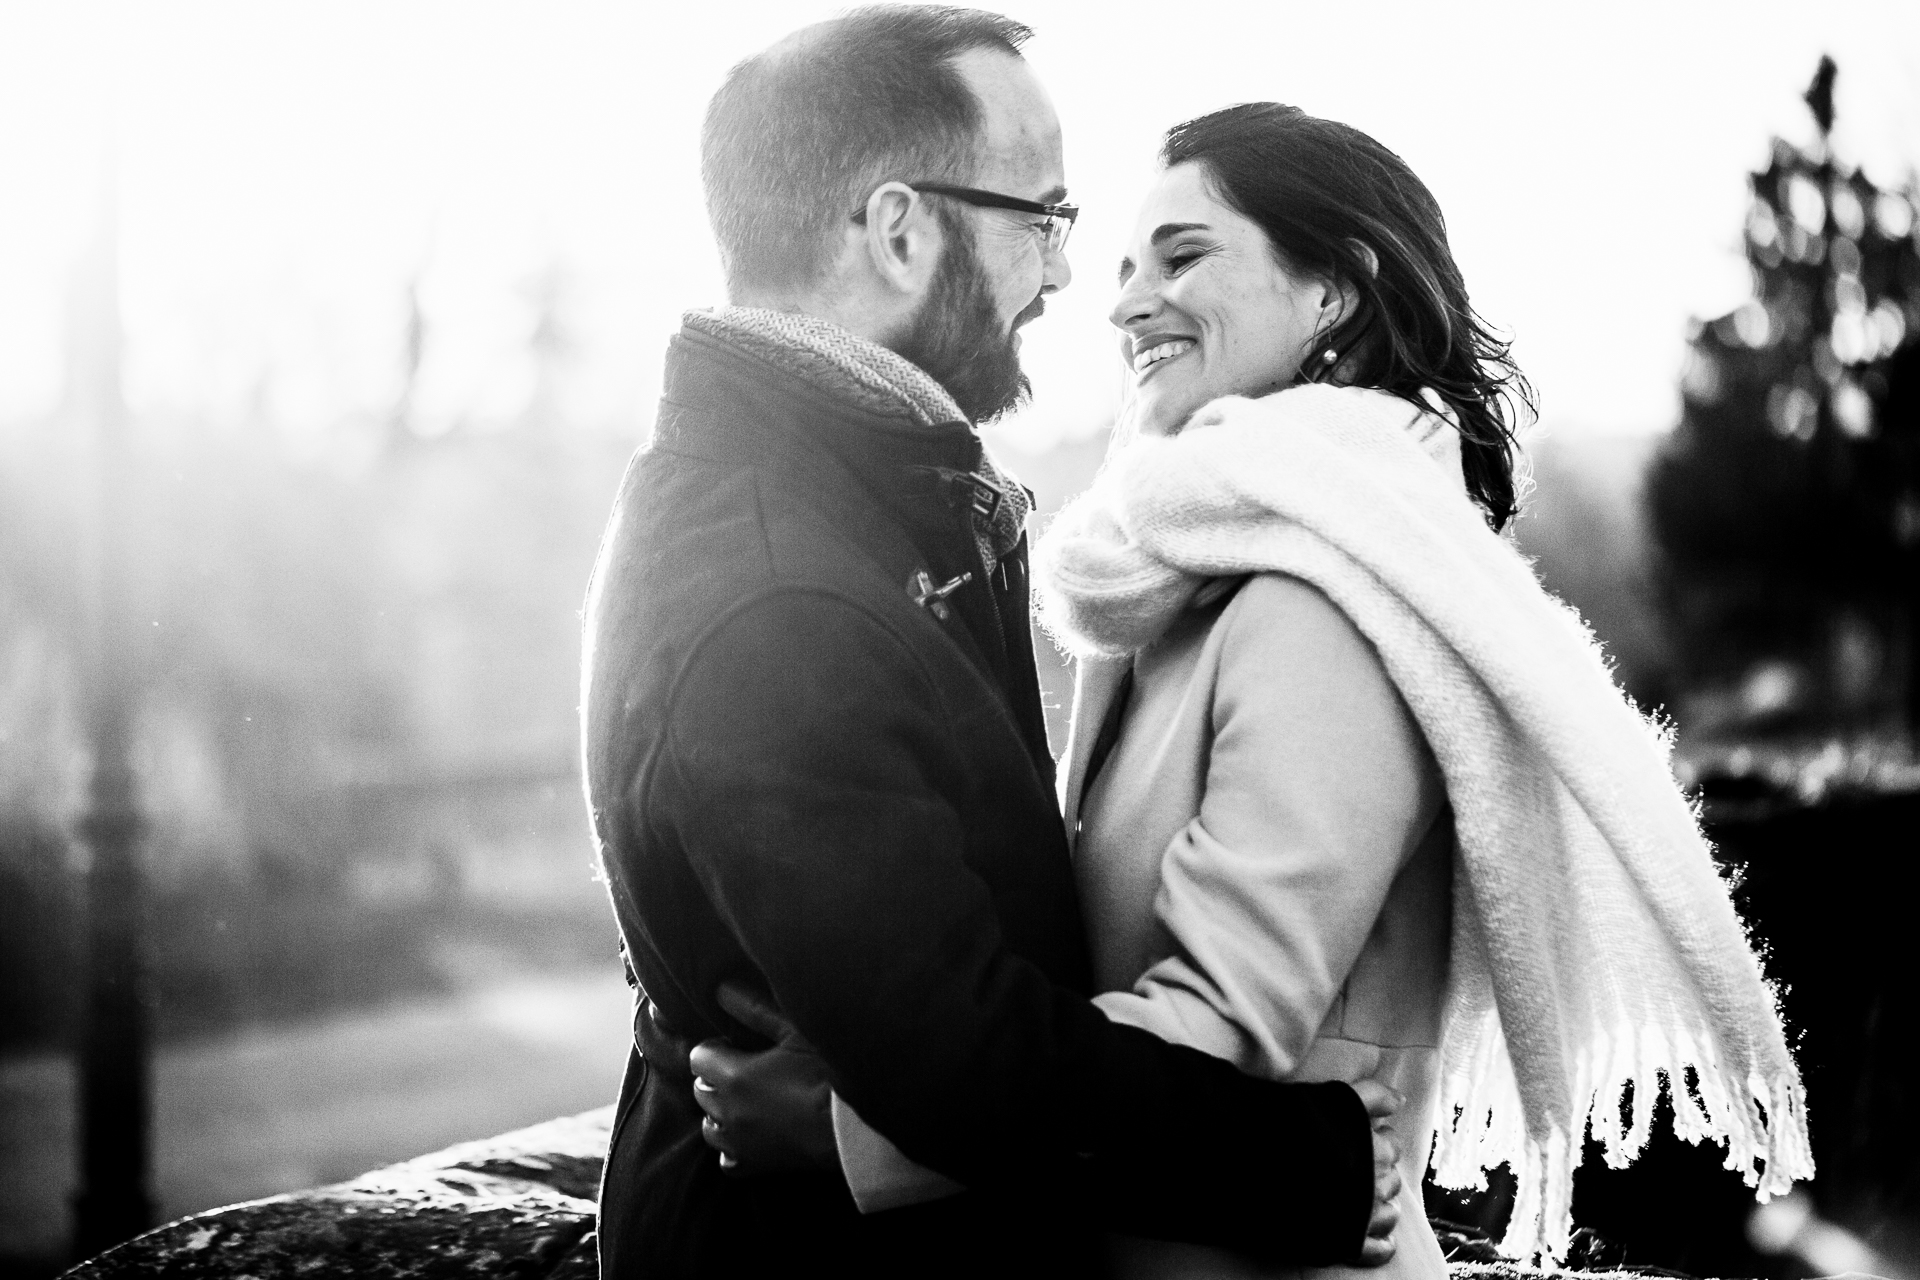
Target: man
x,y
815,754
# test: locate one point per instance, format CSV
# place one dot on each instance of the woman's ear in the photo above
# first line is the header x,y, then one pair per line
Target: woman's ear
x,y
1338,298
1365,253
1342,287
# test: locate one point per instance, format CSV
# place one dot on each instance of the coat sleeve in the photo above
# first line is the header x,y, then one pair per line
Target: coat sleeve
x,y
1319,788
808,774
879,1174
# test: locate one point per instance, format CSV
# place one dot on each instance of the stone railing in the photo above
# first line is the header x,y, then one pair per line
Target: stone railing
x,y
516,1207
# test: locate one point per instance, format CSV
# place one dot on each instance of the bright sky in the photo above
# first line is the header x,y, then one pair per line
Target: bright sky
x,y
285,169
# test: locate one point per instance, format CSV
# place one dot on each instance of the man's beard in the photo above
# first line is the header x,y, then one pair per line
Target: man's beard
x,y
956,335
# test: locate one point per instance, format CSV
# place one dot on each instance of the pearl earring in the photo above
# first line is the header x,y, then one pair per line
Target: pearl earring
x,y
1329,356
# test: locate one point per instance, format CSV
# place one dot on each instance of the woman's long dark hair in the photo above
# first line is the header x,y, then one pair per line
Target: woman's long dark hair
x,y
1321,191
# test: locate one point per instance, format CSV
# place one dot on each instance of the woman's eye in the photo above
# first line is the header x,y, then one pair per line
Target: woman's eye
x,y
1176,263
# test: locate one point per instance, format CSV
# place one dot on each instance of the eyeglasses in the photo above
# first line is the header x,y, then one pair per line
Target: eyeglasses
x,y
1060,217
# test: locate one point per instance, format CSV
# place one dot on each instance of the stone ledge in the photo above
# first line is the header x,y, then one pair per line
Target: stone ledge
x,y
519,1206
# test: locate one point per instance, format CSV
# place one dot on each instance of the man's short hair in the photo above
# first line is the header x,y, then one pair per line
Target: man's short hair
x,y
800,134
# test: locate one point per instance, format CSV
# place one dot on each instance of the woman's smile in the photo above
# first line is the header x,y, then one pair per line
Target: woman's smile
x,y
1149,353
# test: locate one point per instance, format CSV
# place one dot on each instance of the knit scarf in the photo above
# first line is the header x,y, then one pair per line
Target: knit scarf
x,y
1595,947
868,376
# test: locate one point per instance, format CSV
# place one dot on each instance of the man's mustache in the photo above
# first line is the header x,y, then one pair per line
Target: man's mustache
x,y
1032,311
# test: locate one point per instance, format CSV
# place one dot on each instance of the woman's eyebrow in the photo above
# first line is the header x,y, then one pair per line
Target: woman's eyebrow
x,y
1166,230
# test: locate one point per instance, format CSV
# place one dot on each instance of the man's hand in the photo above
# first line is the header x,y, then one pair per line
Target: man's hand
x,y
1381,1103
766,1112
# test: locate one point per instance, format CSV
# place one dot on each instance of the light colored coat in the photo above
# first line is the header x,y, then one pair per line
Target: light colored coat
x,y
1595,953
1265,865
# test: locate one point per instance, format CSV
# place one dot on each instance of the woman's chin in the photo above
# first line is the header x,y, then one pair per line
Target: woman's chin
x,y
1160,415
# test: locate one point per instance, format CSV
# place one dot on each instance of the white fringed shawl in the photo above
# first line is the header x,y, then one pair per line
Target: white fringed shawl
x,y
1594,944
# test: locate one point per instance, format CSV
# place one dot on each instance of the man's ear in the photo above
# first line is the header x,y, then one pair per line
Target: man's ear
x,y
901,239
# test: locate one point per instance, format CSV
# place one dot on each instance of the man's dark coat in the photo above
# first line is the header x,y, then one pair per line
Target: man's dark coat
x,y
804,779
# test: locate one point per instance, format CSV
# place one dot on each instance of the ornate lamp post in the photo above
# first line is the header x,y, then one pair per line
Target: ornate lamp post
x,y
113,1203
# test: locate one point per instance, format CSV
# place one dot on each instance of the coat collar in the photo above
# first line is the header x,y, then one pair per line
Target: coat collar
x,y
784,410
721,402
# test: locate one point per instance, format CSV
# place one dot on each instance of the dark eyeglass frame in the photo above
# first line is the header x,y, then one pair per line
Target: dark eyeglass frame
x,y
1060,217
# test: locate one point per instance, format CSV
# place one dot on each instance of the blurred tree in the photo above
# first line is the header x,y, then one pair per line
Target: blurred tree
x,y
1787,503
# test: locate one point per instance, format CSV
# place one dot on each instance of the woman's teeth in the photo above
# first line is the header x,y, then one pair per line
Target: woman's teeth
x,y
1165,351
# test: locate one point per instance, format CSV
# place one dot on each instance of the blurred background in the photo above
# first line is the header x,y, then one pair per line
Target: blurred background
x,y
326,330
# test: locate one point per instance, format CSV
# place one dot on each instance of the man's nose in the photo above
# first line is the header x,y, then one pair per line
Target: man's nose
x,y
1057,274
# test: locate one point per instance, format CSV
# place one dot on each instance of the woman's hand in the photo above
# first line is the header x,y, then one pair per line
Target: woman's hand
x,y
768,1111
1381,1103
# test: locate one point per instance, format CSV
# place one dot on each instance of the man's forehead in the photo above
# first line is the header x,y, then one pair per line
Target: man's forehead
x,y
1020,131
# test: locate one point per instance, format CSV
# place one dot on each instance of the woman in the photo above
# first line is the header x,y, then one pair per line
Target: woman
x,y
1343,779
1352,796
1262,840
